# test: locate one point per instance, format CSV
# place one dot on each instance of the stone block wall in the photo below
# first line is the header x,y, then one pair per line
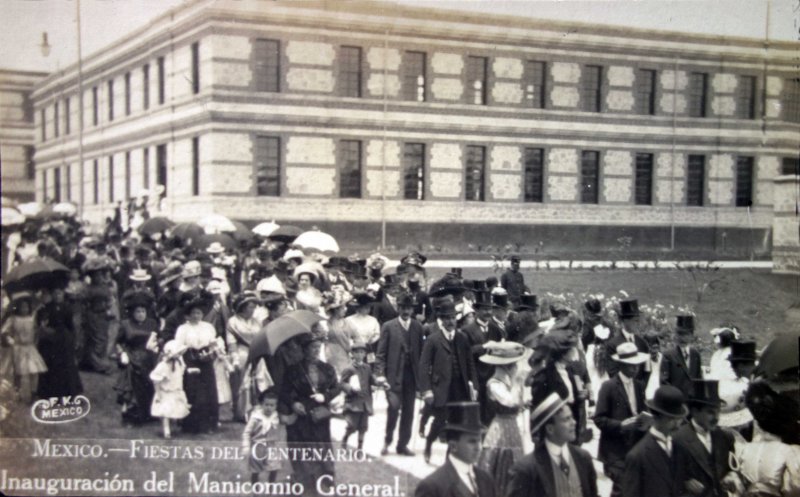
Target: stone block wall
x,y
786,225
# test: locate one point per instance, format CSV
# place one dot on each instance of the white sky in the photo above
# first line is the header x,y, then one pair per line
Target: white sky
x,y
22,22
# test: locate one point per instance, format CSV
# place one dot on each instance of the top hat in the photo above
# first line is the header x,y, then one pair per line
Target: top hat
x,y
479,286
446,309
405,300
457,271
669,401
546,410
527,302
483,300
593,305
743,350
628,308
140,275
628,353
390,280
498,353
464,417
500,301
414,259
705,392
684,323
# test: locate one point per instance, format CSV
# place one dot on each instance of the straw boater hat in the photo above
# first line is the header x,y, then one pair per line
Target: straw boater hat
x,y
501,353
669,401
545,410
215,248
629,354
191,269
140,275
293,254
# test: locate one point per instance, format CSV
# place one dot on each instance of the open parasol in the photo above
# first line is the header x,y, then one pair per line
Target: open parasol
x,y
317,241
241,233
285,234
282,329
154,225
36,273
11,216
265,229
216,223
29,209
780,356
203,241
186,231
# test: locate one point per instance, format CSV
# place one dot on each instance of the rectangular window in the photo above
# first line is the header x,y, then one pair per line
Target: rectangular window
x,y
196,67
146,86
791,100
698,93
476,80
414,70
127,175
27,107
350,169
695,180
43,118
111,178
590,176
475,172
268,166
110,99
68,181
196,166
267,55
96,177
535,84
746,97
67,117
591,88
45,191
145,168
161,167
414,171
55,120
645,91
57,184
534,175
127,94
744,181
790,165
162,81
95,107
350,72
644,179
30,164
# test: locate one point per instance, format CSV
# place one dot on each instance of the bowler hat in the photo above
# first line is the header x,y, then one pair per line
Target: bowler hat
x,y
743,351
479,286
464,417
669,401
446,309
684,323
405,300
527,302
705,392
545,410
483,300
628,308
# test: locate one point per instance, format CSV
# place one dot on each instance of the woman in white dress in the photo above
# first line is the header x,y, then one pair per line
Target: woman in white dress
x,y
720,367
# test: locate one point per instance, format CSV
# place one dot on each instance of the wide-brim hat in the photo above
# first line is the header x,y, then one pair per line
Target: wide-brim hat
x,y
545,410
464,417
668,401
628,353
527,302
243,299
447,285
734,412
705,392
500,353
364,299
271,284
743,350
628,308
140,275
172,272
191,269
414,259
215,248
559,340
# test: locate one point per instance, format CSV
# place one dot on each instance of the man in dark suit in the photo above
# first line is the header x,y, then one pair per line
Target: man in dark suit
x,y
619,413
479,332
631,332
459,476
681,364
701,448
446,369
555,468
399,350
385,308
650,465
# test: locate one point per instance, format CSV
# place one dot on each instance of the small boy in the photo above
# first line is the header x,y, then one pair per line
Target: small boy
x,y
262,432
357,383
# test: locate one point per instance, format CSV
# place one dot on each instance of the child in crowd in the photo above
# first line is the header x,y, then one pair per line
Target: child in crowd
x,y
263,432
169,401
357,382
19,332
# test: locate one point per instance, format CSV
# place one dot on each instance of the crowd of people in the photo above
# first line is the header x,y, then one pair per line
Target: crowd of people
x,y
174,322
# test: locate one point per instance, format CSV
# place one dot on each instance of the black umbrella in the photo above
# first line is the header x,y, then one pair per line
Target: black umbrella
x,y
36,273
186,231
203,241
286,234
780,356
242,232
155,225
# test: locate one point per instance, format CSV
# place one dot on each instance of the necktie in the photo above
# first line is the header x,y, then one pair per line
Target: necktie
x,y
473,482
563,464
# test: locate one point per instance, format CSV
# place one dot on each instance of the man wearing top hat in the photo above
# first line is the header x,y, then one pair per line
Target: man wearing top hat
x,y
702,448
681,364
459,476
397,358
446,369
619,412
513,281
556,467
631,332
650,466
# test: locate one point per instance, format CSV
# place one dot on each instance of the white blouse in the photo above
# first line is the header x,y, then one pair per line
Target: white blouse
x,y
196,336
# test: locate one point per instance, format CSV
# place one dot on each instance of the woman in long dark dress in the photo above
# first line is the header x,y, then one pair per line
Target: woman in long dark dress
x,y
134,388
57,347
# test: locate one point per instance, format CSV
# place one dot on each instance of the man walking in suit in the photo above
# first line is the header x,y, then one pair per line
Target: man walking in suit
x,y
632,331
555,468
446,370
650,465
619,414
459,476
399,350
479,332
702,449
681,364
513,281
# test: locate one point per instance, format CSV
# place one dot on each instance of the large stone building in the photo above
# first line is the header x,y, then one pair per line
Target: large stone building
x,y
445,128
17,134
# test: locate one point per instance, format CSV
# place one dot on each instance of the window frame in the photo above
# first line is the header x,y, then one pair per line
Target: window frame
x,y
340,163
481,189
595,91
195,67
693,184
645,101
408,165
162,80
347,74
697,101
642,160
270,143
529,88
527,168
590,194
262,77
127,80
146,86
410,81
470,93
744,194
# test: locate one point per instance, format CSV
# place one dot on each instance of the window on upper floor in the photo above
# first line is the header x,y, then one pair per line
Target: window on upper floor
x,y
535,84
350,71
268,166
414,71
146,86
414,171
145,168
475,173
698,94
645,91
590,176
534,175
110,100
96,181
267,64
791,100
161,167
790,165
30,164
67,116
476,74
196,166
56,127
744,181
746,97
162,81
43,118
127,175
68,182
644,179
95,107
350,168
591,88
57,184
196,67
695,180
127,93
111,178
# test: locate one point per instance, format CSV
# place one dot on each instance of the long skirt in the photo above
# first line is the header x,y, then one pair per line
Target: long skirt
x,y
201,393
502,447
134,388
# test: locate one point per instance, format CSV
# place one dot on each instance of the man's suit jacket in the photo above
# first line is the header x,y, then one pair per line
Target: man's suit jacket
x,y
692,460
532,476
649,471
436,365
675,371
611,348
445,482
612,408
383,310
388,360
477,337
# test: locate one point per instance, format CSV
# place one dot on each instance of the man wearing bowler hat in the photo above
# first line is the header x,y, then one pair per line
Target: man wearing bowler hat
x,y
681,364
619,413
459,476
650,465
702,448
556,467
446,370
631,332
